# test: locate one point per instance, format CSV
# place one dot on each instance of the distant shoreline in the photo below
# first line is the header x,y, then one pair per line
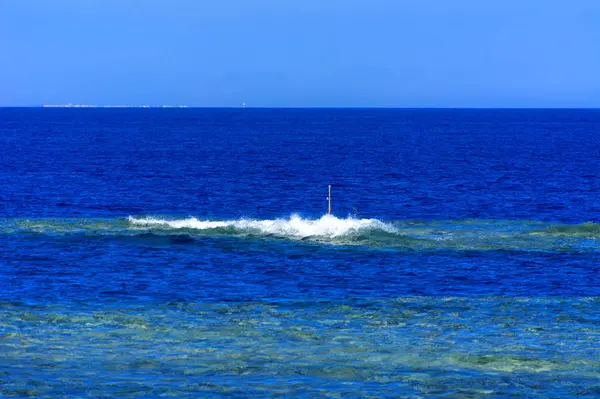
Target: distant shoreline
x,y
109,106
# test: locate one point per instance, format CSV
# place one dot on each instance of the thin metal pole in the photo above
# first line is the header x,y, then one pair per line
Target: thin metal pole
x,y
329,201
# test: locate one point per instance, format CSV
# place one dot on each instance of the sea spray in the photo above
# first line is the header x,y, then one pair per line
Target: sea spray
x,y
293,227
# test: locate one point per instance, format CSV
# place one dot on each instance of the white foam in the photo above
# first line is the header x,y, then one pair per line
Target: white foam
x,y
295,226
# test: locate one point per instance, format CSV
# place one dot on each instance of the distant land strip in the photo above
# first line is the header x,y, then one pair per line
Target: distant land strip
x,y
110,106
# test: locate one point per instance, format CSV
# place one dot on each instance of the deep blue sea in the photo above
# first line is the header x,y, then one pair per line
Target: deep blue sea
x,y
188,253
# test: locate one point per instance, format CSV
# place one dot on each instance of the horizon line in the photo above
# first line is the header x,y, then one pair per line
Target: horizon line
x,y
87,106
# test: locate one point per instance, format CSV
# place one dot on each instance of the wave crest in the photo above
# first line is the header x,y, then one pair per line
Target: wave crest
x,y
327,226
453,235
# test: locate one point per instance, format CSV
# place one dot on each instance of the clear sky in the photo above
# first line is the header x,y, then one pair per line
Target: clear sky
x,y
405,53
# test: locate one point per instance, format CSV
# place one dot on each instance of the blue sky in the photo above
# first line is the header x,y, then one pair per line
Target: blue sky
x,y
373,53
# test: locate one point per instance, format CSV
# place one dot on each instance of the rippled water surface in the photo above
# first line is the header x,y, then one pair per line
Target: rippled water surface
x,y
185,252
408,346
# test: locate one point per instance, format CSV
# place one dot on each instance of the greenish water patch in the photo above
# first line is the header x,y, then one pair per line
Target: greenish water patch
x,y
412,346
591,230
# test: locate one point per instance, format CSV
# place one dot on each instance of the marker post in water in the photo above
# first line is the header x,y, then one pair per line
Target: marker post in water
x,y
329,200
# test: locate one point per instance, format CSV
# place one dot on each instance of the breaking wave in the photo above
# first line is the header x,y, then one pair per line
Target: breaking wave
x,y
327,226
432,235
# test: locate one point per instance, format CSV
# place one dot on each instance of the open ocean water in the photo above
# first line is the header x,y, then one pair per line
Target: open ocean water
x,y
185,253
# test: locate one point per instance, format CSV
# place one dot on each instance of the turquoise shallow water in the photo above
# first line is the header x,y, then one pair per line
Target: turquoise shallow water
x,y
475,347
